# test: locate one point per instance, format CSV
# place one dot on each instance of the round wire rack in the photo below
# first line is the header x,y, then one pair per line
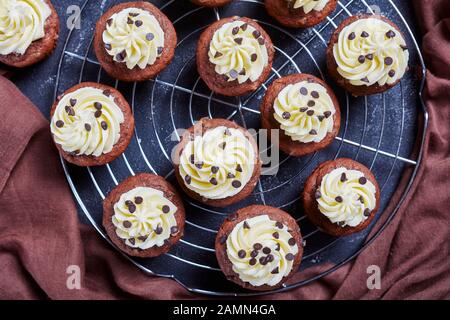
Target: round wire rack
x,y
380,131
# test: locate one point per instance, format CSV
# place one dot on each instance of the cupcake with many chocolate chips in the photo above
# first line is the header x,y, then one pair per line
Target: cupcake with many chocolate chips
x,y
234,56
305,110
217,162
211,3
134,41
300,13
28,31
144,216
91,124
367,54
259,247
341,197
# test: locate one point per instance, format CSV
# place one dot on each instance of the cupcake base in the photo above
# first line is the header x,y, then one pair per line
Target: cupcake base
x,y
211,3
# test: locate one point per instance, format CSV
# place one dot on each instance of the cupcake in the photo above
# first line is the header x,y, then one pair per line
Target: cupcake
x,y
144,216
234,56
367,54
305,111
217,162
300,13
341,197
91,124
28,31
259,247
211,3
134,41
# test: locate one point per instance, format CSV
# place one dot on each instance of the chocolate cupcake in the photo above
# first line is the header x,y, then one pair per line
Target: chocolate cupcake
x,y
134,41
144,216
211,3
91,124
305,111
259,247
367,54
29,31
300,13
234,56
341,197
217,162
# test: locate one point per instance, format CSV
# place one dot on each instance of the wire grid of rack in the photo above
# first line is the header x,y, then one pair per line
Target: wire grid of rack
x,y
379,131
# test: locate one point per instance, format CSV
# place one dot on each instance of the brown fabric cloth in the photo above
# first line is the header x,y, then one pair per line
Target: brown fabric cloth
x,y
40,235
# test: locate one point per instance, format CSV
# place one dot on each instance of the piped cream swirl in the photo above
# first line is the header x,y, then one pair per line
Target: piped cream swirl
x,y
305,111
261,250
135,37
21,23
346,197
238,51
87,122
309,5
144,218
217,164
370,51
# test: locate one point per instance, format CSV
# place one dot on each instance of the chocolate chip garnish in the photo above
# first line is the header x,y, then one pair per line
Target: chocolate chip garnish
x,y
303,91
364,34
404,48
256,34
242,73
312,132
303,109
261,41
158,229
121,56
278,247
315,94
108,46
133,14
128,203
192,158
149,36
365,79
276,235
233,74
257,246
104,125
270,258
109,21
223,239
369,56
361,59
391,73
132,241
390,34
290,257
69,110
362,180
241,254
320,118
343,177
367,212
165,208
238,40
310,113
174,230
213,181
160,50
235,31
199,165
138,200
59,123
188,179
266,250
351,36
87,126
236,184
214,169
230,175
238,168
246,226
327,114
361,199
254,253
291,242
339,199
263,261
222,145
142,238
388,61
138,23
98,105
279,225
275,271
129,20
227,132
252,261
218,55
318,194
132,208
127,224
73,102
286,115
311,103
253,57
98,113
107,92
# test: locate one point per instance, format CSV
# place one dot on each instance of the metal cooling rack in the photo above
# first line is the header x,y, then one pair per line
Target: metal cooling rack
x,y
379,131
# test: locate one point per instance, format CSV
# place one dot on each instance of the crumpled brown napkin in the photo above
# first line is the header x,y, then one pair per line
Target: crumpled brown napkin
x,y
40,236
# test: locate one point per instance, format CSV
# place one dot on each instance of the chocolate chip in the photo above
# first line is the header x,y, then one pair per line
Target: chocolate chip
x,y
364,34
275,271
252,261
133,14
132,208
291,242
303,109
223,239
218,55
270,258
361,199
192,158
59,123
351,36
365,79
138,23
214,169
246,226
279,225
138,200
107,92
244,26
286,115
311,103
236,184
109,21
242,73
222,145
98,113
390,34
174,230
227,132
132,241
98,105
127,224
310,113
388,61
253,57
404,48
104,125
213,181
128,203
369,56
367,212
266,250
159,229
69,110
142,238
242,254
165,209
276,235
238,168
160,50
108,46
312,132
261,41
361,59
230,175
233,74
339,199
278,247
256,34
87,126
199,165
238,40
73,102
121,56
318,194
235,31
263,261
188,179
320,118
149,36
315,94
303,91
391,73
343,177
290,257
129,20
362,180
257,246
327,114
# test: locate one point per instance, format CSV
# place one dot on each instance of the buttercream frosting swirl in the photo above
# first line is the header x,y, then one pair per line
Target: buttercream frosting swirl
x,y
370,51
87,122
346,197
261,250
217,164
238,51
134,36
21,23
309,5
144,218
304,111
